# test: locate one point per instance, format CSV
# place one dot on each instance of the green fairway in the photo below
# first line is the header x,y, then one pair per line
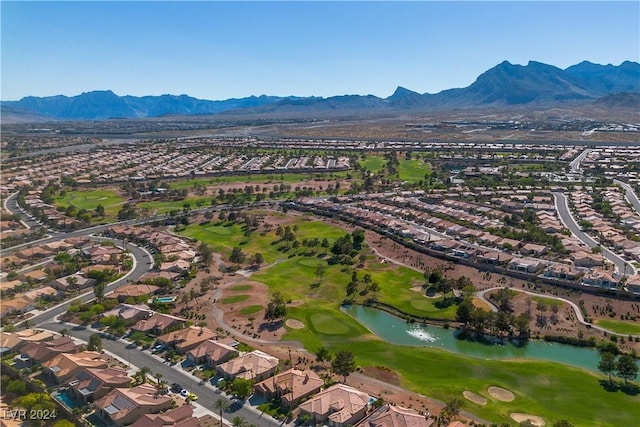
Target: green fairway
x,y
413,170
234,299
547,389
224,236
252,309
255,179
373,163
89,200
163,207
239,288
619,326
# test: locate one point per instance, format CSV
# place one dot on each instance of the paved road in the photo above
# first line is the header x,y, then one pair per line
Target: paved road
x,y
575,163
207,394
630,195
562,207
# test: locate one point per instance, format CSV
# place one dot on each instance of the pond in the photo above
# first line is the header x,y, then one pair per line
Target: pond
x,y
397,331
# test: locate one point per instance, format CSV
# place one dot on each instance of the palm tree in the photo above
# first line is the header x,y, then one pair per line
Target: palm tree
x,y
221,405
160,383
238,422
142,373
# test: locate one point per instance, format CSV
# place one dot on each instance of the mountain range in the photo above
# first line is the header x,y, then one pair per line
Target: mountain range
x,y
506,84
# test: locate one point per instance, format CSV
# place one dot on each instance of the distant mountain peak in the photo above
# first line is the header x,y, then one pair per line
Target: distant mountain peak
x,y
402,92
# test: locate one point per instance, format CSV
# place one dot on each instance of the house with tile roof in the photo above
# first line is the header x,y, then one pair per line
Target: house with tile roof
x,y
182,416
91,384
396,416
65,365
159,324
123,406
187,339
291,386
255,365
337,406
211,353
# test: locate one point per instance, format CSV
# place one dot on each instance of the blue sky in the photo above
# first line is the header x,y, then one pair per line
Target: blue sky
x,y
220,50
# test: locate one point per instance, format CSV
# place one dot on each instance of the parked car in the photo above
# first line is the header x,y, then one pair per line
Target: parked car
x,y
176,388
184,392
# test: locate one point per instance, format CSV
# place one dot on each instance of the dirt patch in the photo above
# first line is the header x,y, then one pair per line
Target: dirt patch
x,y
534,419
295,303
294,324
383,374
501,394
475,398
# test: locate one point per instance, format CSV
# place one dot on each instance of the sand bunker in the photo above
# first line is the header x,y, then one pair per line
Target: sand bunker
x,y
534,419
477,399
294,324
501,394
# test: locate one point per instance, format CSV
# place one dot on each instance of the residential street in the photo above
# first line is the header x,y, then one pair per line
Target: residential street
x,y
630,195
568,221
206,393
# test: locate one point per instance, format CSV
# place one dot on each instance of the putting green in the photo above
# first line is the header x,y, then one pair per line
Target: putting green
x,y
326,324
252,309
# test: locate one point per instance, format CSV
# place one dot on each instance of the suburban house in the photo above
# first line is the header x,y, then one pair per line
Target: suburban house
x,y
290,386
533,249
159,324
633,284
585,259
64,366
38,352
337,406
133,291
72,282
123,406
396,416
526,265
187,339
211,353
562,271
182,416
255,365
17,305
13,341
91,384
601,279
131,313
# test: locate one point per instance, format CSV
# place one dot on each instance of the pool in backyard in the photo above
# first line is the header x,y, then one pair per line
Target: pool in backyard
x,y
64,398
166,300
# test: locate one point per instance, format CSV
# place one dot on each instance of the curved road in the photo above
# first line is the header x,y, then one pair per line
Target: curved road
x,y
630,195
562,207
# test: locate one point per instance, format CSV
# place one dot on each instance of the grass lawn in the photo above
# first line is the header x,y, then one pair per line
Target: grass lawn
x,y
413,170
373,163
255,179
224,236
252,309
89,200
620,326
239,288
163,207
548,301
547,389
234,299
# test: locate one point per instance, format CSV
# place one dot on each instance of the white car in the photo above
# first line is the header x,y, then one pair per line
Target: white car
x,y
184,392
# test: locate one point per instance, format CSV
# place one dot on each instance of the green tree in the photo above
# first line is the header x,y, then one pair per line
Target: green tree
x,y
607,364
276,308
452,408
242,388
323,355
562,423
95,342
358,239
98,290
237,256
344,364
238,421
464,311
18,387
626,368
220,405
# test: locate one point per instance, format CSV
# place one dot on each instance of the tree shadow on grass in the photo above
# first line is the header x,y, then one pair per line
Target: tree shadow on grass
x,y
615,386
270,326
